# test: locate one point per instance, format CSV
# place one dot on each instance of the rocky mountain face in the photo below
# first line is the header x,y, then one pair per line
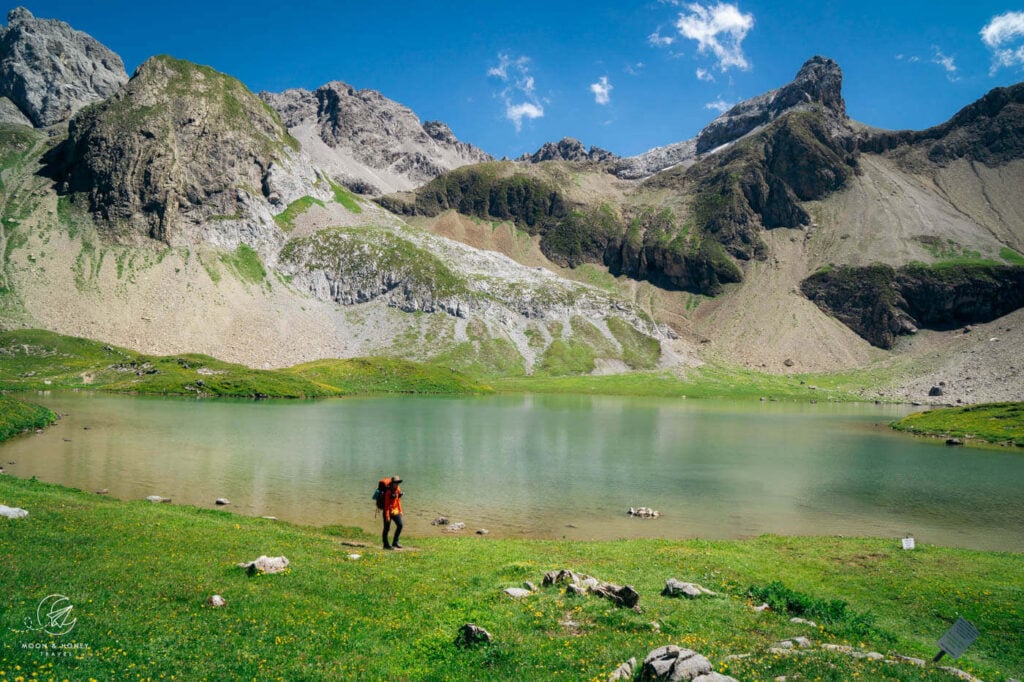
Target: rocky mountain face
x,y
49,70
185,154
817,85
368,142
568,149
819,82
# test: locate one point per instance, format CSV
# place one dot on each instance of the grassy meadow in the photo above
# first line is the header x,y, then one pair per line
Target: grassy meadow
x,y
138,575
990,422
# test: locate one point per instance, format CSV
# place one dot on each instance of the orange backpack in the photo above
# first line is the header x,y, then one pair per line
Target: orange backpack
x,y
378,494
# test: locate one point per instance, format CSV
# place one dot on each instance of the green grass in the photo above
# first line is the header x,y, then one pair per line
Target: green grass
x,y
992,422
17,416
286,218
345,198
1011,256
387,375
247,263
138,576
639,351
566,357
708,381
35,359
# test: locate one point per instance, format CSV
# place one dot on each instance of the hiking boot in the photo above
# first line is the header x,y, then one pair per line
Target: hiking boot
x,y
396,546
388,546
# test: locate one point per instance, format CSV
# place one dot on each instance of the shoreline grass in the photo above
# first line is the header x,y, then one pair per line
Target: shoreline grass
x,y
138,575
987,422
18,416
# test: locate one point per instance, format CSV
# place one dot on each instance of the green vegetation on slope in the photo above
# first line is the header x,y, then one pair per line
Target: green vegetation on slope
x,y
247,264
17,416
993,422
386,375
139,599
345,198
35,359
286,218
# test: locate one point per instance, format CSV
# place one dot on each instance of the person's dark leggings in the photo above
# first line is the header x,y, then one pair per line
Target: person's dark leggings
x,y
397,518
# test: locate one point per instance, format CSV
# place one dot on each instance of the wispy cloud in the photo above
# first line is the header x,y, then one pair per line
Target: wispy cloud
x,y
705,75
719,30
719,105
634,69
659,40
1004,36
602,90
946,62
519,91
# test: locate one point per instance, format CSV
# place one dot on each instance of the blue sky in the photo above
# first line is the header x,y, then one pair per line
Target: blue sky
x,y
625,76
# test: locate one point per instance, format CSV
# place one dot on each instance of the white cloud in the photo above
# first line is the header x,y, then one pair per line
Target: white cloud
x,y
1004,35
719,105
705,75
659,40
517,112
634,69
601,89
945,62
718,29
519,91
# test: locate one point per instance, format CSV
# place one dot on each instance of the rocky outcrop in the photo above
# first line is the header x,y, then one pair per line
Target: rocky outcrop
x,y
568,149
184,154
819,82
49,70
368,141
990,130
881,303
10,113
655,160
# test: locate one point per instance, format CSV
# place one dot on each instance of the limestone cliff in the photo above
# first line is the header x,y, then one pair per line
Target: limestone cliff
x,y
367,141
49,70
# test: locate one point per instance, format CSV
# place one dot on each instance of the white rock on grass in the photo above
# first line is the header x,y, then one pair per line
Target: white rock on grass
x,y
266,564
517,592
216,601
12,512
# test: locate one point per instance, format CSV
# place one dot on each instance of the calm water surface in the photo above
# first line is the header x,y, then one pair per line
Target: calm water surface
x,y
540,466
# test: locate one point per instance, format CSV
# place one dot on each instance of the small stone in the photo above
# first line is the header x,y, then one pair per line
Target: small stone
x,y
221,501
216,601
440,521
266,564
804,621
624,671
472,635
910,659
12,512
963,675
678,588
762,607
529,586
517,592
788,362
355,557
102,491
455,527
157,498
954,441
482,531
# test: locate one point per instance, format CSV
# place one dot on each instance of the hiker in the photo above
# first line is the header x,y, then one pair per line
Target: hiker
x,y
392,511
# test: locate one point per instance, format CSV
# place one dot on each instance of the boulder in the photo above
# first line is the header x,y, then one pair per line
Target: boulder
x,y
677,588
954,441
620,595
517,592
472,635
266,564
157,498
12,512
220,501
935,391
624,671
643,512
216,601
673,664
455,527
440,521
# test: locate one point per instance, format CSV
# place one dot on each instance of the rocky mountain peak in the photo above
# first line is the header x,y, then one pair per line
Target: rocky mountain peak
x,y
567,149
49,70
819,82
369,141
185,154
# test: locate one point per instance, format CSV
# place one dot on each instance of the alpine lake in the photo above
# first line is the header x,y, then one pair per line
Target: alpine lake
x,y
539,466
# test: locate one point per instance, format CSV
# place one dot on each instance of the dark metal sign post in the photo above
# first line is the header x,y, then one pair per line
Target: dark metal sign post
x,y
956,640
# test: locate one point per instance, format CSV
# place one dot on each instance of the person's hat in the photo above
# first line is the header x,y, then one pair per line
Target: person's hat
x,y
396,479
